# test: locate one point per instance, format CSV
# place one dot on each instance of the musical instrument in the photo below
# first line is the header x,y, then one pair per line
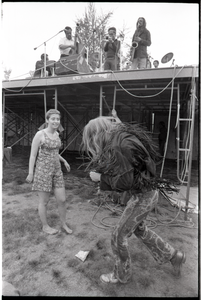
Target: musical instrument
x,y
134,46
166,58
75,62
71,64
77,45
66,65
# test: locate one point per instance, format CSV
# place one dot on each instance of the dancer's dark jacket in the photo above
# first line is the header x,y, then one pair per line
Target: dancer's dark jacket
x,y
127,163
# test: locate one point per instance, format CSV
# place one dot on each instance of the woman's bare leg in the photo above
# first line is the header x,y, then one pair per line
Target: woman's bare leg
x,y
42,210
61,200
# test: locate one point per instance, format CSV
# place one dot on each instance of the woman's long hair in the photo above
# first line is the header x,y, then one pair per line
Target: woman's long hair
x,y
96,134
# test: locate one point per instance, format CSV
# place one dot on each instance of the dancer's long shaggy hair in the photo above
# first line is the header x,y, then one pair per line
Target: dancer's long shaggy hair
x,y
96,134
99,132
97,140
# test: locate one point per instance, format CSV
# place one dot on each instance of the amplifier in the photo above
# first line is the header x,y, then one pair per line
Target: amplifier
x,y
72,64
67,65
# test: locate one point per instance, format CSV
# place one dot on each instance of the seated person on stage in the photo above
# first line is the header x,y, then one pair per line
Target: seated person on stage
x,y
40,64
111,48
66,44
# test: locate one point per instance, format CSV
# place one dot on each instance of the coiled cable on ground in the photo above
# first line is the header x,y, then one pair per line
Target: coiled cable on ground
x,y
151,222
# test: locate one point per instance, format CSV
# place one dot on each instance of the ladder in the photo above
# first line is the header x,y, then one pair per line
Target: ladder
x,y
185,145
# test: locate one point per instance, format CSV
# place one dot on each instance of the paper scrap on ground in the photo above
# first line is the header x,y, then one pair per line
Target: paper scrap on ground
x,y
82,255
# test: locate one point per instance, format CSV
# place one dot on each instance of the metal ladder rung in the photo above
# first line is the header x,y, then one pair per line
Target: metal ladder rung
x,y
185,119
183,149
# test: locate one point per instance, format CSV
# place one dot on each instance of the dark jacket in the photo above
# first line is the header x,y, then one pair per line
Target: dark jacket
x,y
112,49
141,50
129,167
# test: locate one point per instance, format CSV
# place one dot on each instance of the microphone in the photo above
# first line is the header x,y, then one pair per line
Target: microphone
x,y
62,30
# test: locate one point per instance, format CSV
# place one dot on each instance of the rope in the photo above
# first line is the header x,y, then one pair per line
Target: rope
x,y
94,217
18,91
148,96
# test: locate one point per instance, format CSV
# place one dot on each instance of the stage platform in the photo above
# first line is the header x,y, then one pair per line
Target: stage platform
x,y
158,74
143,96
148,88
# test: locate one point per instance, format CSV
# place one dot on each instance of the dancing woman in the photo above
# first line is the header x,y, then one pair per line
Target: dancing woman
x,y
123,157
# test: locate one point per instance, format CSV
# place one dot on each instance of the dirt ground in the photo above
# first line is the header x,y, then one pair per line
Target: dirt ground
x,y
38,264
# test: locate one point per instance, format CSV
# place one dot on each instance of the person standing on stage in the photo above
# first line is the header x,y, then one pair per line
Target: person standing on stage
x,y
111,49
142,37
123,158
46,174
66,44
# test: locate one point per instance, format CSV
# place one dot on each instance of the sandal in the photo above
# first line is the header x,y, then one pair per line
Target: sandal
x,y
108,278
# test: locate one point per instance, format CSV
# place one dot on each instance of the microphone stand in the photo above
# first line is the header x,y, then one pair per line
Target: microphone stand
x,y
172,63
44,43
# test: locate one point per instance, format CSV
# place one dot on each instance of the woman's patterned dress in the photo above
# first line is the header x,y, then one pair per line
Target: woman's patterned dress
x,y
48,173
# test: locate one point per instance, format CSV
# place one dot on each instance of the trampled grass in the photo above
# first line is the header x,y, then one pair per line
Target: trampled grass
x,y
37,262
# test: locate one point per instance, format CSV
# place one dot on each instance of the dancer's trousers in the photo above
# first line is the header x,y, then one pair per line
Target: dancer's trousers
x,y
133,221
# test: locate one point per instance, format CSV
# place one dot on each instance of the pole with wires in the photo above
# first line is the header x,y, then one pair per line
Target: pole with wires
x,y
168,129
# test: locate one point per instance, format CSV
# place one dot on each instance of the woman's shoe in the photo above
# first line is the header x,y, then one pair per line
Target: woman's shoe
x,y
108,278
178,259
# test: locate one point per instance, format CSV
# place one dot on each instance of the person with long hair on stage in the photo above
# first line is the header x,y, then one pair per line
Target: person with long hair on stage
x,y
141,39
122,158
45,170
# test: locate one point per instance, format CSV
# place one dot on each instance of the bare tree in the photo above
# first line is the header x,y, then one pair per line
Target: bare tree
x,y
92,31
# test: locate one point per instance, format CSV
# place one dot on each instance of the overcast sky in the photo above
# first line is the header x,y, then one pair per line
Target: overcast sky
x,y
174,27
